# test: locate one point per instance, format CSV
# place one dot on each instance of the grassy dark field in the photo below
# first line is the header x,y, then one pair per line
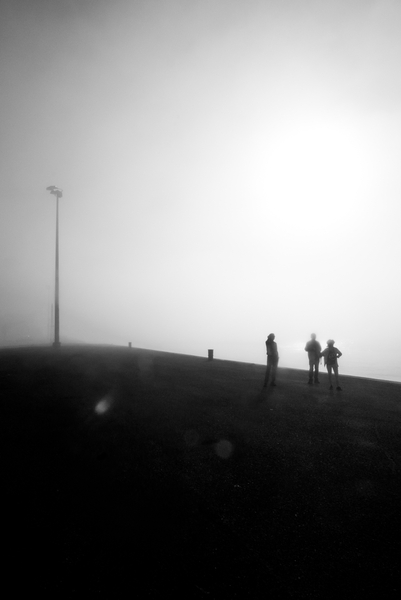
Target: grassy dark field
x,y
135,473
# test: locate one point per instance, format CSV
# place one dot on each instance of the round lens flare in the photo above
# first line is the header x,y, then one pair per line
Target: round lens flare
x,y
103,405
224,449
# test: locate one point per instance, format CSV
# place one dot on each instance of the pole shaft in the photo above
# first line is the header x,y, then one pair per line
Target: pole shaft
x,y
56,289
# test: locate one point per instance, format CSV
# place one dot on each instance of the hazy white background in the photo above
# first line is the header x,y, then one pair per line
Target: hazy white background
x,y
230,169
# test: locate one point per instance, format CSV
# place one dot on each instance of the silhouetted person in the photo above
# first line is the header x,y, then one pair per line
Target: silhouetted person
x,y
272,360
314,349
330,354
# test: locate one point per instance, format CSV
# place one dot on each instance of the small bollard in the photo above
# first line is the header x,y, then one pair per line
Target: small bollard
x,y
210,354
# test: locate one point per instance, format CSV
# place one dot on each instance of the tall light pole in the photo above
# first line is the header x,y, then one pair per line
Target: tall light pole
x,y
59,194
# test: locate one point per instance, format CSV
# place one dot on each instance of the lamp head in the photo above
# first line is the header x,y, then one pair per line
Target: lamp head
x,y
55,190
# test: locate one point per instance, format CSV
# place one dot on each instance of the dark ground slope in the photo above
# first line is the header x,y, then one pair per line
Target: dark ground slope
x,y
132,473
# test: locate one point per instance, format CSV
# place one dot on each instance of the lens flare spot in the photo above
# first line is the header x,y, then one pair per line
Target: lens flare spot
x,y
224,449
103,405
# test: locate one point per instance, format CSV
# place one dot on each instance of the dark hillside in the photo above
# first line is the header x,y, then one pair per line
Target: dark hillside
x,y
148,474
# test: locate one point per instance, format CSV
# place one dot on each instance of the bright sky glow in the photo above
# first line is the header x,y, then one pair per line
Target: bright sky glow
x,y
229,169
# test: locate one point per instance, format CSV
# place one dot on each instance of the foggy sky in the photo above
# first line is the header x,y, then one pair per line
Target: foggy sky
x,y
229,169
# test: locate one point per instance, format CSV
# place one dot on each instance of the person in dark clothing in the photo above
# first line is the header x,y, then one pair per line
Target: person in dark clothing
x,y
272,360
314,349
330,354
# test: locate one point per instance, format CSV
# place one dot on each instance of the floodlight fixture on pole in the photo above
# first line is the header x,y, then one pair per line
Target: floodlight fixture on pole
x,y
59,194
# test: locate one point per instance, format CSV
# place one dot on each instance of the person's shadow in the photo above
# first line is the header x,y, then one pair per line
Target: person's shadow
x,y
260,397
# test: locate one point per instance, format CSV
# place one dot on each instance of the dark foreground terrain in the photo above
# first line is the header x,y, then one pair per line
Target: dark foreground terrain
x,y
133,473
